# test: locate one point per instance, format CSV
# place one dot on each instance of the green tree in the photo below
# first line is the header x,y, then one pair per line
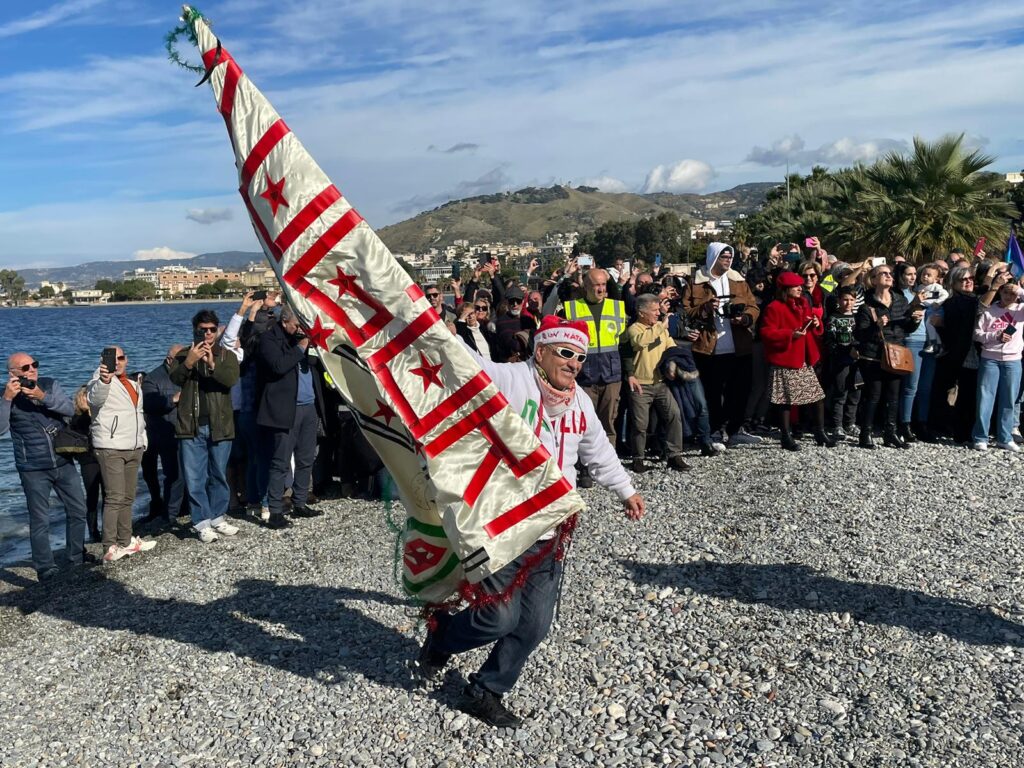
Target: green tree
x,y
133,290
934,199
105,285
207,291
220,286
12,285
47,292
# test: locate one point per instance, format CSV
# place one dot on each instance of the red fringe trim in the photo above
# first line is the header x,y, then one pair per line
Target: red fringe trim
x,y
474,594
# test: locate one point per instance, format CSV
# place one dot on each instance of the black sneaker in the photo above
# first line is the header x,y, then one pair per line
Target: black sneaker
x,y
278,523
306,511
48,574
638,466
88,558
584,480
487,707
429,663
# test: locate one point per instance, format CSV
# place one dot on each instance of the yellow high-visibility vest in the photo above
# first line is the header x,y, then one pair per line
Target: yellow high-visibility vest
x,y
604,330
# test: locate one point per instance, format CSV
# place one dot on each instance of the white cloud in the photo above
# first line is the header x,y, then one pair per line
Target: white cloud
x,y
605,184
684,176
161,252
45,18
208,215
841,152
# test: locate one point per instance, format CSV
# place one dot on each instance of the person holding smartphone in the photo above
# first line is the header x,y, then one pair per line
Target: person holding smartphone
x,y
33,408
118,433
790,327
999,369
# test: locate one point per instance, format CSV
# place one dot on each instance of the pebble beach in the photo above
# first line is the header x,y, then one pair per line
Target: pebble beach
x,y
822,608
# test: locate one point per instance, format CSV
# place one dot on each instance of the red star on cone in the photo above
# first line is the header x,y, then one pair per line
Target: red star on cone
x,y
343,281
318,334
385,412
428,371
274,194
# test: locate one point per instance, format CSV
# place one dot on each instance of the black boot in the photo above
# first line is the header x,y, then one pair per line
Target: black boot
x,y
892,440
487,707
865,440
905,434
823,439
583,478
788,443
924,434
430,662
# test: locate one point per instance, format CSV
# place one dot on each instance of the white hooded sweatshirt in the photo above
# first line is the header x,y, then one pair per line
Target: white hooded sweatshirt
x,y
725,344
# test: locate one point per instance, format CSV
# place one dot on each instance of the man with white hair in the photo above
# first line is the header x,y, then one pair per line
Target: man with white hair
x,y
517,611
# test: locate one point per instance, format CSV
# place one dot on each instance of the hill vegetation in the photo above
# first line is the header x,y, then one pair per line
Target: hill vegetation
x,y
532,213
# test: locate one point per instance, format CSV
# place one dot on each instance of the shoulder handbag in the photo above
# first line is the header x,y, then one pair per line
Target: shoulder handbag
x,y
895,358
68,442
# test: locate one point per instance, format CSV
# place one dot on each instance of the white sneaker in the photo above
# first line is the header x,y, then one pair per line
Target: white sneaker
x,y
742,437
114,552
718,446
226,529
717,437
207,535
264,514
138,545
980,446
1011,447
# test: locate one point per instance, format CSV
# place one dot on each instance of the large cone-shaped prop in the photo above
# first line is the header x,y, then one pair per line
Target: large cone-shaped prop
x,y
477,485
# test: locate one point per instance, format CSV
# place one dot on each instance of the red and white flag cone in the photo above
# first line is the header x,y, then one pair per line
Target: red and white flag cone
x,y
477,485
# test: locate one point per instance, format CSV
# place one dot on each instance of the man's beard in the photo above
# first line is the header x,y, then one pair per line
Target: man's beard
x,y
515,311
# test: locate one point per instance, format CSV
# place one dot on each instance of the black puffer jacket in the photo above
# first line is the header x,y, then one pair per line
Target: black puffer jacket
x,y
900,324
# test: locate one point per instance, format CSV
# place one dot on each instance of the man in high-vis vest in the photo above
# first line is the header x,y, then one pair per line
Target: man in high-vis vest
x,y
601,377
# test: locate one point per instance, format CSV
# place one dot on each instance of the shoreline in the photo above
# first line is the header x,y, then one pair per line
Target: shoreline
x,y
147,302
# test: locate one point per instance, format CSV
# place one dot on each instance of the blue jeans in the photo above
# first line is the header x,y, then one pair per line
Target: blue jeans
x,y
257,458
922,404
64,481
909,385
998,389
205,463
518,625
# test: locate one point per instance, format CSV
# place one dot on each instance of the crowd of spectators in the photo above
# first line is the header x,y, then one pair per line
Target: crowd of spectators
x,y
242,421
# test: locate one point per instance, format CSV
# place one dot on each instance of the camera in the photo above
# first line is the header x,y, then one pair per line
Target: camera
x,y
734,310
259,295
26,382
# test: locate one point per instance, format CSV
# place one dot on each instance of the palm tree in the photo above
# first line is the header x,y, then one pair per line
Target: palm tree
x,y
932,200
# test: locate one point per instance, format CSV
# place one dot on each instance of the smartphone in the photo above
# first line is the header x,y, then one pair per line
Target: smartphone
x,y
483,259
456,270
625,267
1010,330
808,324
811,242
585,260
109,358
657,259
979,246
877,261
259,295
198,336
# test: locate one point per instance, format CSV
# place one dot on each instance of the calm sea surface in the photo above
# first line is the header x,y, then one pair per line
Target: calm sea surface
x,y
67,343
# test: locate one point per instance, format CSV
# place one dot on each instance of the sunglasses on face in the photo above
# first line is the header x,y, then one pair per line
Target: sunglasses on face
x,y
483,308
207,329
515,301
567,354
433,295
810,276
24,368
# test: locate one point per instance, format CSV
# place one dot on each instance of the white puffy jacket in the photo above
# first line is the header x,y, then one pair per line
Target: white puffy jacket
x,y
117,422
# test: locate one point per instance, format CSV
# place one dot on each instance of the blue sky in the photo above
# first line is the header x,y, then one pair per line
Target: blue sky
x,y
108,152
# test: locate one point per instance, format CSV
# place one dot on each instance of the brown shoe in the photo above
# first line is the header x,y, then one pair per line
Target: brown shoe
x,y
639,467
677,463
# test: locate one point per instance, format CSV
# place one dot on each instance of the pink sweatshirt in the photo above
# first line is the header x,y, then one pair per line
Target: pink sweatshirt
x,y
991,326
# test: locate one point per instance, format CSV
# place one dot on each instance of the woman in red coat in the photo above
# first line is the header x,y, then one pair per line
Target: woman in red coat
x,y
790,328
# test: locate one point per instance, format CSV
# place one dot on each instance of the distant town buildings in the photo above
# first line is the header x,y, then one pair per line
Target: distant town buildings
x,y
177,281
436,263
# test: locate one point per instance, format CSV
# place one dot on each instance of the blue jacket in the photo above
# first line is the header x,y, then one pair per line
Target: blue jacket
x,y
161,411
33,426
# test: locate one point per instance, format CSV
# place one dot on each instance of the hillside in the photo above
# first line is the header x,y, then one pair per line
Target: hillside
x,y
532,213
86,275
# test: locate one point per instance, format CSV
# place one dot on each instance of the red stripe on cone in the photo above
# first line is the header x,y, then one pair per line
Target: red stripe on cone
x,y
464,426
459,398
334,235
529,507
480,477
262,148
304,218
405,337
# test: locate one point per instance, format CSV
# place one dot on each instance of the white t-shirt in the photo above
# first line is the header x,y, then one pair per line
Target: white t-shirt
x,y
725,344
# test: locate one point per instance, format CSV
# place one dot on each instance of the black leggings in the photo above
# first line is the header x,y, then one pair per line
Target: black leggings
x,y
879,386
93,482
